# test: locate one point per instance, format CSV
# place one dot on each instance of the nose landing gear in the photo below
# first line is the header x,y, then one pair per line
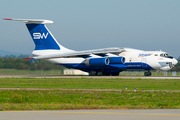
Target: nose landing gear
x,y
147,73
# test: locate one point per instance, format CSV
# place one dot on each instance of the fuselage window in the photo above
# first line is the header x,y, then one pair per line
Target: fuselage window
x,y
162,55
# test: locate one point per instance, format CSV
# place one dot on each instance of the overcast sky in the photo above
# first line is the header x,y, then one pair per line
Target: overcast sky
x,y
95,24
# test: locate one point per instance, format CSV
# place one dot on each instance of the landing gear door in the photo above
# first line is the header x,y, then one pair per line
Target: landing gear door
x,y
144,62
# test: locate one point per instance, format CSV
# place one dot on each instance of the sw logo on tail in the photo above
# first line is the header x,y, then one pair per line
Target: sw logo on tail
x,y
108,61
39,36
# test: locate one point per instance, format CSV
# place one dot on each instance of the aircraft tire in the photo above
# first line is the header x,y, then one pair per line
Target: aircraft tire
x,y
105,74
100,74
93,73
115,74
147,73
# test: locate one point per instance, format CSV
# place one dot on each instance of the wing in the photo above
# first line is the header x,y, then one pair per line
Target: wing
x,y
84,54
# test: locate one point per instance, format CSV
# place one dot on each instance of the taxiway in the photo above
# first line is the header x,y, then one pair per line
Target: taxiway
x,y
136,114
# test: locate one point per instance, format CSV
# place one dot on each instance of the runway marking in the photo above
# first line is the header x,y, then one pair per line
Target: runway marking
x,y
97,113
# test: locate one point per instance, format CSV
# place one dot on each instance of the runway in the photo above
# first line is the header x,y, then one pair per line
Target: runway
x,y
76,76
135,114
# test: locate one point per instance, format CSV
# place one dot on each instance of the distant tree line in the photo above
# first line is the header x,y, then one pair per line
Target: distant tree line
x,y
23,64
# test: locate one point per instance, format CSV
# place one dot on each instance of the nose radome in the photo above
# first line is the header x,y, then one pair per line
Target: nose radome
x,y
174,62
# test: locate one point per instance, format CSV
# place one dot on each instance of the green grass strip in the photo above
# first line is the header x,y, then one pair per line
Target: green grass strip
x,y
88,83
58,100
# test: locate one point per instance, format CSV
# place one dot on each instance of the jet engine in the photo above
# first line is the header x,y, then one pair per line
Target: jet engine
x,y
97,61
116,60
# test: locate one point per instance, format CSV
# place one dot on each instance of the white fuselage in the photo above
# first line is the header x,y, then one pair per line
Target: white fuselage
x,y
134,60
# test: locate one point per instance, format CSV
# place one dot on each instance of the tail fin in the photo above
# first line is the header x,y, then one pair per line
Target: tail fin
x,y
42,37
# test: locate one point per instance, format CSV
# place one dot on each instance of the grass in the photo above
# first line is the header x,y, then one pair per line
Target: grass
x,y
74,99
88,83
56,100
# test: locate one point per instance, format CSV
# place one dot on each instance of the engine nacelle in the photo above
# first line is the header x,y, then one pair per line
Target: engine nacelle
x,y
97,61
116,60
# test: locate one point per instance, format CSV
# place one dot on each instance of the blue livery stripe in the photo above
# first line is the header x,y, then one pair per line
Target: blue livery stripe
x,y
131,66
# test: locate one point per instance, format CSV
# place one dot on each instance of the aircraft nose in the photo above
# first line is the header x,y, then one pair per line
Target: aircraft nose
x,y
174,61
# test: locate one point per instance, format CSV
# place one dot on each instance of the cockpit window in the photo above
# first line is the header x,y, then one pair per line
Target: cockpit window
x,y
165,55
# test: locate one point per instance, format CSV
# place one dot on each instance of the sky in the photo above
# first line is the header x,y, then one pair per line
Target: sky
x,y
94,24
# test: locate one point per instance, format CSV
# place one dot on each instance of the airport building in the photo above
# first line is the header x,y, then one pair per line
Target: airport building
x,y
74,72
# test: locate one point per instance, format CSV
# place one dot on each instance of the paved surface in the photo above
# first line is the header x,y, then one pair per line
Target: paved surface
x,y
152,114
75,76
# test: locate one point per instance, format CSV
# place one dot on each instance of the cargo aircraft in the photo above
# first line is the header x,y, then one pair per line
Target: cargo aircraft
x,y
108,61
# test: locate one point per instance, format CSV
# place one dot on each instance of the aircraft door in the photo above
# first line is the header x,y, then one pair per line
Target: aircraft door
x,y
144,62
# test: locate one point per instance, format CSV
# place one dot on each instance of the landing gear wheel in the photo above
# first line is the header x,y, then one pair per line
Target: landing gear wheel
x,y
105,74
112,74
93,73
147,73
100,74
115,74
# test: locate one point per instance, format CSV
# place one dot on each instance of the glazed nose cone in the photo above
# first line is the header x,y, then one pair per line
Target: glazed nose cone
x,y
174,61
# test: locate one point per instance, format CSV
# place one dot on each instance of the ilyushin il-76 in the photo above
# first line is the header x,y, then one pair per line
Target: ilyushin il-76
x,y
107,61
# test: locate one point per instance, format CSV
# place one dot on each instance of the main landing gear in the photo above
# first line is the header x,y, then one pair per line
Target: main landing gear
x,y
96,73
93,73
147,73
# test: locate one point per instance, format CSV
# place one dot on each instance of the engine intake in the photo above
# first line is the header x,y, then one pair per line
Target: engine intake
x,y
116,60
97,61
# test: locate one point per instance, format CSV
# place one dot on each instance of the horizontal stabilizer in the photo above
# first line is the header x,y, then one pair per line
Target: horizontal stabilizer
x,y
29,58
31,21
